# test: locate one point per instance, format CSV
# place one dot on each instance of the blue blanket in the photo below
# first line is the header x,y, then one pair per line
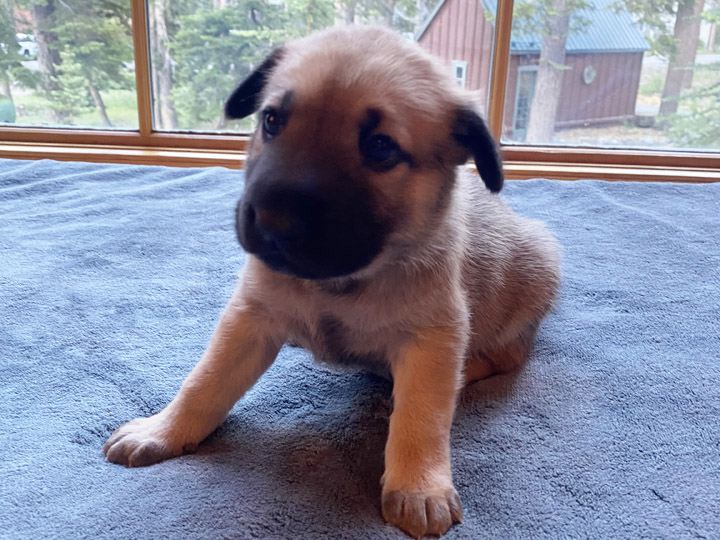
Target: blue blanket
x,y
112,278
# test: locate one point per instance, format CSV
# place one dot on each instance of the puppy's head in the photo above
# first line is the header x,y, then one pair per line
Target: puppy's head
x,y
359,135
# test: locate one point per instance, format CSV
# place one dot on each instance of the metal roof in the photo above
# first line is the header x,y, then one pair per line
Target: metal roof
x,y
609,28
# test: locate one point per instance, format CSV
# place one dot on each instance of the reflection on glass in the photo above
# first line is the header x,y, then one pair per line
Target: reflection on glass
x,y
200,50
67,63
614,73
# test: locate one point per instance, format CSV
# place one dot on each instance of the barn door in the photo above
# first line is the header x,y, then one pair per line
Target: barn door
x,y
524,91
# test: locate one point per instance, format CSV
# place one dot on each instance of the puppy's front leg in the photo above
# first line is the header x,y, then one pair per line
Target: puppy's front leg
x,y
418,494
241,349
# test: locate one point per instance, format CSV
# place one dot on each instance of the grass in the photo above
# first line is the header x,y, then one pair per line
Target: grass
x,y
34,109
652,85
121,106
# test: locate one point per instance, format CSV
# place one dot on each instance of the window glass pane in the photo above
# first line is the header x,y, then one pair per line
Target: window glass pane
x,y
618,73
201,49
67,64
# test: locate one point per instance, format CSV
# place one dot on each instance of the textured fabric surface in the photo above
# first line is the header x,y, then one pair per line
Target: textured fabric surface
x,y
112,278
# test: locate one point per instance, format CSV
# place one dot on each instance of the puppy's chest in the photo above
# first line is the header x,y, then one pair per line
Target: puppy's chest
x,y
335,341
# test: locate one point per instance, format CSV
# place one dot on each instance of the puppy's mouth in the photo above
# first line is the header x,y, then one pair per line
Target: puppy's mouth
x,y
278,260
287,262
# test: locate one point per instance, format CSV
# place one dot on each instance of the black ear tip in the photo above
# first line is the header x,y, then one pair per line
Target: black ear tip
x,y
497,186
493,174
471,132
244,100
232,112
240,104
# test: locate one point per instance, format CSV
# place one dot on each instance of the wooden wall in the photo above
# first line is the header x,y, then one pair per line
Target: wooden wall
x,y
460,31
609,98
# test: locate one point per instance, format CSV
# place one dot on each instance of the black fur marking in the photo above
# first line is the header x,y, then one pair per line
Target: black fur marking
x,y
335,347
245,99
344,287
372,121
332,332
472,133
286,103
373,118
334,227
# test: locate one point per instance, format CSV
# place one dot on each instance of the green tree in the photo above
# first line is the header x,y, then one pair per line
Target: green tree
x,y
84,48
216,48
398,14
11,68
48,56
686,33
95,47
673,29
699,126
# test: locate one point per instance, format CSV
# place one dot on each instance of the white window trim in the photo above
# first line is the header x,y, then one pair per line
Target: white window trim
x,y
462,64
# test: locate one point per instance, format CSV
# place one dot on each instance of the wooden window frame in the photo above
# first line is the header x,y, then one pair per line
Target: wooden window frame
x,y
147,146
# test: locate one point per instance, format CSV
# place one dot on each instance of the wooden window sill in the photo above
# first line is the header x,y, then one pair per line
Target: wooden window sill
x,y
563,164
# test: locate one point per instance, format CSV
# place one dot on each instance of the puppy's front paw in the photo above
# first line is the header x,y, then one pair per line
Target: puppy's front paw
x,y
145,441
422,514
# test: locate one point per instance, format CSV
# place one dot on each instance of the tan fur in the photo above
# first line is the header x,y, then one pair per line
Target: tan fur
x,y
457,292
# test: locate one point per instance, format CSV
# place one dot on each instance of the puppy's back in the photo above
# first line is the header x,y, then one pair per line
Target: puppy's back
x,y
511,268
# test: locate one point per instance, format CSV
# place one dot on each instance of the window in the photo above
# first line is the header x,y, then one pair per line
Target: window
x,y
557,79
459,70
67,64
524,93
613,73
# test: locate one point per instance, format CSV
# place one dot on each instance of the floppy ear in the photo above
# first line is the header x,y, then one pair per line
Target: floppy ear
x,y
471,133
244,100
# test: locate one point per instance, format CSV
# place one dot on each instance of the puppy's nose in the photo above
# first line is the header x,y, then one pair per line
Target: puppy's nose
x,y
278,225
275,225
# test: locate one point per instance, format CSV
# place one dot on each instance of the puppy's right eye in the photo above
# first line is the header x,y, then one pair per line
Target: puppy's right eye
x,y
272,123
381,152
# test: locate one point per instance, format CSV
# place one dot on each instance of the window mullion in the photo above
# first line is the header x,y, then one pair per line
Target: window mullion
x,y
142,66
500,63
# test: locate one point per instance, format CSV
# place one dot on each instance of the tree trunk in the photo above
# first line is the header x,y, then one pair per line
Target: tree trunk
x,y
350,11
682,62
155,99
47,57
695,22
100,104
391,13
5,88
712,37
5,78
162,66
543,110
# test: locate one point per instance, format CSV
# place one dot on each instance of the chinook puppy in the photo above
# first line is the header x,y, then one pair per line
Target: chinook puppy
x,y
370,246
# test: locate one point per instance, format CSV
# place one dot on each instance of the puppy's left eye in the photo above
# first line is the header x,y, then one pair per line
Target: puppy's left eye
x,y
380,150
272,122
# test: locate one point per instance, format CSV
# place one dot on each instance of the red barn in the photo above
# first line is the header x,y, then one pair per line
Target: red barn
x,y
604,60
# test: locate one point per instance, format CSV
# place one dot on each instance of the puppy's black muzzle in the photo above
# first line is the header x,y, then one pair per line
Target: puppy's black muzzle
x,y
308,217
316,234
282,227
